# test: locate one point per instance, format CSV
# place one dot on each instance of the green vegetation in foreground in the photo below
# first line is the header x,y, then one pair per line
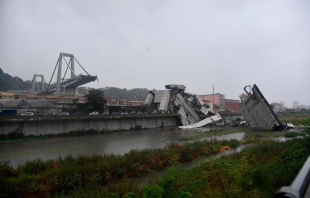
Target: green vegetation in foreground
x,y
39,178
258,171
215,132
296,119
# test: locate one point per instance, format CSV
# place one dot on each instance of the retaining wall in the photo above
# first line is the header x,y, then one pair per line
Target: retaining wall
x,y
231,116
57,124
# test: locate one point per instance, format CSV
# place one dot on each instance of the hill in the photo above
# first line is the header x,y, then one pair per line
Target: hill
x,y
131,94
7,82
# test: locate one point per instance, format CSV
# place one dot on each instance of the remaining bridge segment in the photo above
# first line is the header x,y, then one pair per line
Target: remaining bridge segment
x,y
257,111
64,87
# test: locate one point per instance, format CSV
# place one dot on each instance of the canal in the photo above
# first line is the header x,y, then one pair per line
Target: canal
x,y
118,142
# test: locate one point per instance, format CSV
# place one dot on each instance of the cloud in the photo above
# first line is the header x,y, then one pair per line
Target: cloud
x,y
149,44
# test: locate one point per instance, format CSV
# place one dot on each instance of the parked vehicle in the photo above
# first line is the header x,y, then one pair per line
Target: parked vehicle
x,y
27,114
50,114
94,113
64,113
8,112
78,113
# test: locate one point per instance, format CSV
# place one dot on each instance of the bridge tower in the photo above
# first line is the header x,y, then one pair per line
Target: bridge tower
x,y
38,86
59,79
67,87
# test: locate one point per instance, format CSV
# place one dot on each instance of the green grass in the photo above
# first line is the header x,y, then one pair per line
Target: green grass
x,y
37,178
215,132
296,119
258,171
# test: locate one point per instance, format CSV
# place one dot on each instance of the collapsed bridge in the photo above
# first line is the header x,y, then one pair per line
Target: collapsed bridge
x,y
257,111
63,86
193,111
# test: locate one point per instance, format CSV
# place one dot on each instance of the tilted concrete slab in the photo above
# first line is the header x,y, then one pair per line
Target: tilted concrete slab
x,y
204,122
257,111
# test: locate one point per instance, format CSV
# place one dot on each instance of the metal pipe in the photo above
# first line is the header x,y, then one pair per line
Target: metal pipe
x,y
299,186
301,182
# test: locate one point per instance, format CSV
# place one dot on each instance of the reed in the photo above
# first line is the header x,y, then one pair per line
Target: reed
x,y
66,174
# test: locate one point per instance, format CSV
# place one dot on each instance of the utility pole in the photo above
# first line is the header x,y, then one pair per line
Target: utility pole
x,y
140,97
213,96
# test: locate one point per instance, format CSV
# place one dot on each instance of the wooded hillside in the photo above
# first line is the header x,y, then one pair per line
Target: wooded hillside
x,y
7,82
132,94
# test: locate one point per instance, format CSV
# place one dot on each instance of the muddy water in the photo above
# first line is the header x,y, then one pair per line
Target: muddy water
x,y
114,142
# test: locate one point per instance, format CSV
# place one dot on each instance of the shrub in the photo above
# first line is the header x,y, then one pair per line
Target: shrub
x,y
153,191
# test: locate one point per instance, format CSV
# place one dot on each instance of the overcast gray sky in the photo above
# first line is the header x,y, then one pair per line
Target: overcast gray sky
x,y
148,44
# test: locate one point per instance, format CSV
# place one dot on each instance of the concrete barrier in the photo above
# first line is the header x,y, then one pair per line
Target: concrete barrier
x,y
231,116
66,124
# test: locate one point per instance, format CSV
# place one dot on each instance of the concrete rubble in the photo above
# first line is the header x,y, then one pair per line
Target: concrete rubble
x,y
257,111
193,111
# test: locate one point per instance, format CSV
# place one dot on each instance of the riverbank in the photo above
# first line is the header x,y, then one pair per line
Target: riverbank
x,y
90,173
257,171
19,136
109,175
35,125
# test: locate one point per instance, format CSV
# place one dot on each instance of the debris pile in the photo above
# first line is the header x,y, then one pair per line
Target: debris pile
x,y
193,111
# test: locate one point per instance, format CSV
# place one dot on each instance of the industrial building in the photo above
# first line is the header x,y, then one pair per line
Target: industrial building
x,y
223,104
217,99
6,95
232,105
38,107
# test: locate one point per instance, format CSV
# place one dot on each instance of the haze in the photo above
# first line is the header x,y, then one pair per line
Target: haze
x,y
148,44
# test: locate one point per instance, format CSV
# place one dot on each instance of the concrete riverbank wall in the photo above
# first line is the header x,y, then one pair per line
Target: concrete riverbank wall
x,y
66,124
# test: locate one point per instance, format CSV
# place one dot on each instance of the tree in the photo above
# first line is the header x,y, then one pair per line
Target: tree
x,y
8,82
95,100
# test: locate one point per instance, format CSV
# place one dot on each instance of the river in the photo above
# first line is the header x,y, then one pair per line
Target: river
x,y
118,142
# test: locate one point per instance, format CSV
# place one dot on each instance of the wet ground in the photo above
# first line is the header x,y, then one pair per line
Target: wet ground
x,y
115,142
148,178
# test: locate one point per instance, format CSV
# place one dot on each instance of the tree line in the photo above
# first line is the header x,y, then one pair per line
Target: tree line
x,y
8,82
130,94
